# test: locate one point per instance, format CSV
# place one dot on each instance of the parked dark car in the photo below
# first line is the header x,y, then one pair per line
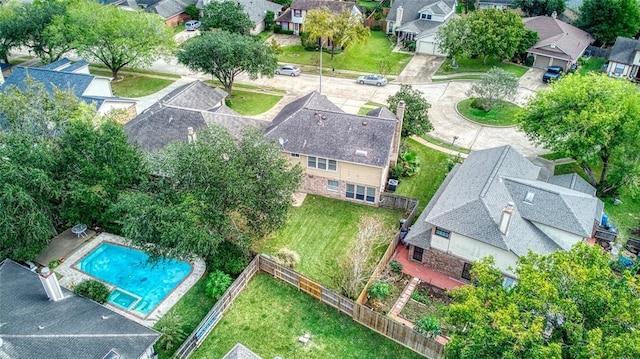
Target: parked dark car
x,y
554,73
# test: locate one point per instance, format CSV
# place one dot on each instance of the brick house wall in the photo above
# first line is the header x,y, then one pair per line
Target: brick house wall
x,y
442,262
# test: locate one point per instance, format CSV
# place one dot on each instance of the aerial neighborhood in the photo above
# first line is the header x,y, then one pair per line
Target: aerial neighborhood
x,y
320,179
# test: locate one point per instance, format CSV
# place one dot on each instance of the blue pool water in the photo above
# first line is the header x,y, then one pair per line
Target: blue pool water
x,y
140,285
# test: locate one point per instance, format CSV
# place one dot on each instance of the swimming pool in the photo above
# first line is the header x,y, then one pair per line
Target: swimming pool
x,y
140,285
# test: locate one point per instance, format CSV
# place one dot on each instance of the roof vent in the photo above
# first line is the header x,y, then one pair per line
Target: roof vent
x,y
361,153
364,123
324,117
553,45
529,197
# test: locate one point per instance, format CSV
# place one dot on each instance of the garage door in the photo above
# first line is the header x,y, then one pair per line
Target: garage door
x,y
542,62
424,47
561,63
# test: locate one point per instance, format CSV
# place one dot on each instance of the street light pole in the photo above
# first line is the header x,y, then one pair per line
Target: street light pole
x,y
321,45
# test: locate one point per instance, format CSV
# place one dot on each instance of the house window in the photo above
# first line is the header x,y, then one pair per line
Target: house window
x,y
322,163
417,254
619,69
361,193
332,185
466,271
295,155
297,13
442,232
425,16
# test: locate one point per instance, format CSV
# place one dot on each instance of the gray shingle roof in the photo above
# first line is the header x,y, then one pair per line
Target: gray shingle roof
x,y
411,8
190,105
474,196
256,9
285,16
573,181
170,8
566,38
239,351
506,2
382,112
313,125
624,50
336,6
71,328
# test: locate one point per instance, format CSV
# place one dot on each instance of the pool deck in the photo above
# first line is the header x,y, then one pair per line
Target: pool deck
x,y
63,245
72,276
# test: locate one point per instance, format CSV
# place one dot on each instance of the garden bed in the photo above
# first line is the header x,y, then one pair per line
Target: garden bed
x,y
427,300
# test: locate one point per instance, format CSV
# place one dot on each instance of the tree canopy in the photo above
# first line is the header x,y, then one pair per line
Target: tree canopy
x,y
47,28
453,38
11,29
608,19
540,7
226,15
210,191
118,38
416,113
494,86
594,119
341,29
225,55
564,305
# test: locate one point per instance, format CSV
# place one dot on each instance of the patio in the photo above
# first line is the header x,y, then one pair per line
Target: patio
x,y
423,273
63,245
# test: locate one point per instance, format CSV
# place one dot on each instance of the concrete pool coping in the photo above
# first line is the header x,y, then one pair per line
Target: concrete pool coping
x,y
72,276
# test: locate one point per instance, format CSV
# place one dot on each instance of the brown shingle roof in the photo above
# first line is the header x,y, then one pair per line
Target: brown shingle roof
x,y
557,38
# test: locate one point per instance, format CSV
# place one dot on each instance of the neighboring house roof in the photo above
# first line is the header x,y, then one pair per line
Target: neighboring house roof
x,y
166,8
335,6
573,181
624,50
557,38
239,351
257,9
32,326
313,125
411,22
498,2
285,16
191,105
382,112
474,196
61,78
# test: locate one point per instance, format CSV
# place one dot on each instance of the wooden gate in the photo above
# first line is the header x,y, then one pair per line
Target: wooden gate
x,y
310,287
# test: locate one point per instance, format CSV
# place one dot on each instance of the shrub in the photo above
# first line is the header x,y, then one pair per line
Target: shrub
x,y
92,289
380,290
55,263
528,61
171,328
420,296
395,267
427,326
217,284
229,258
192,11
396,171
269,18
287,257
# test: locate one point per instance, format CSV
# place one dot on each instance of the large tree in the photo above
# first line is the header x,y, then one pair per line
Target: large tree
x,y
494,86
341,29
608,19
226,15
12,32
540,7
454,37
566,305
416,113
212,190
48,29
225,55
118,38
496,33
594,119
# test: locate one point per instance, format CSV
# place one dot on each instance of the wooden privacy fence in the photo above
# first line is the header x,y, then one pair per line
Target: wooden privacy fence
x,y
215,314
395,201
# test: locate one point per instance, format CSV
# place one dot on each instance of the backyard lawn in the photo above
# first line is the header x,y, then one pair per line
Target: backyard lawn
x,y
424,184
591,65
476,65
503,114
249,103
361,57
321,231
269,316
134,85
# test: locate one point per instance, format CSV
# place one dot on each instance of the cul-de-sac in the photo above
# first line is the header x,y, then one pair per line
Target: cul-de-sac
x,y
307,179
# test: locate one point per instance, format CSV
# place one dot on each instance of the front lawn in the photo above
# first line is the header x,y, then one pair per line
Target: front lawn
x,y
591,65
191,308
503,114
424,184
361,57
476,65
445,144
133,85
249,103
269,317
322,231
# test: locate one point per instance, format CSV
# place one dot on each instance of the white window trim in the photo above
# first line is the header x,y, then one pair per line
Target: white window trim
x,y
335,188
326,161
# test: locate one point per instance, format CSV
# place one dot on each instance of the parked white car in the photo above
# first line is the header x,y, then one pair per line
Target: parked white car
x,y
377,80
290,70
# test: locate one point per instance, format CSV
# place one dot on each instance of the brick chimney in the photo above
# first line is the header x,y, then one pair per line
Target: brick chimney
x,y
399,14
505,218
397,134
50,284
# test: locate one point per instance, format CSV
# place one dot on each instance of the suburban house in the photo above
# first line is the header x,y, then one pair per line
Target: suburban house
x,y
256,9
344,156
560,44
419,20
66,75
40,319
239,351
494,4
499,203
293,18
624,59
178,115
172,11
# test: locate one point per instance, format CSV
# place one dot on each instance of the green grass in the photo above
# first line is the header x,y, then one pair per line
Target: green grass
x,y
593,64
249,103
433,168
368,3
441,143
552,156
360,57
137,71
248,87
321,231
263,36
192,308
179,28
133,85
503,114
269,316
461,77
476,65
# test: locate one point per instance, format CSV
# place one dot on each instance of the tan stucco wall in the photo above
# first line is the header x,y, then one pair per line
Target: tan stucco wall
x,y
564,239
